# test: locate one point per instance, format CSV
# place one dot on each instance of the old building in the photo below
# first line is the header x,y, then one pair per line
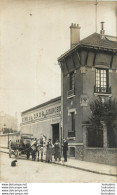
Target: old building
x,y
89,71
43,119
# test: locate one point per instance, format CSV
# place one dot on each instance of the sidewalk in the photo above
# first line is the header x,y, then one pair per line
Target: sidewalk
x,y
84,166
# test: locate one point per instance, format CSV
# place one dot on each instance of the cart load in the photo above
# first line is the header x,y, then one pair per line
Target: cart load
x,y
22,146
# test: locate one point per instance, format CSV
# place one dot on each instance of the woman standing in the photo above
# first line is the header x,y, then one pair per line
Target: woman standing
x,y
57,150
49,151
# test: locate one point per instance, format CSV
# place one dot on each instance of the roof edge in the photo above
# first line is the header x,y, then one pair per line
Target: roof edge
x,y
80,44
43,104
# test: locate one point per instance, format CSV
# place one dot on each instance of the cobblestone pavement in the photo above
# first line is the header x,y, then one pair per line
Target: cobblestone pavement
x,y
30,171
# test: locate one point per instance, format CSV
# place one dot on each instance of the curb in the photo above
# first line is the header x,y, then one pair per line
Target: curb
x,y
82,169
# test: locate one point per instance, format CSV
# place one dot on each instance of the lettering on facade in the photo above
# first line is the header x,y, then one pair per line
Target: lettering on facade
x,y
42,114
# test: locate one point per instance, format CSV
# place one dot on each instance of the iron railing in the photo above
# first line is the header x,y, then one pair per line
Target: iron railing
x,y
104,90
71,92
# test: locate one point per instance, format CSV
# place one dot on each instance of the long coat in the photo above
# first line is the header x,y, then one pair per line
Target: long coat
x,y
49,152
65,146
57,150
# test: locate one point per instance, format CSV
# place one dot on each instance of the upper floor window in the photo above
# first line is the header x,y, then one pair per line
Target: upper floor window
x,y
71,133
71,85
73,121
102,81
71,81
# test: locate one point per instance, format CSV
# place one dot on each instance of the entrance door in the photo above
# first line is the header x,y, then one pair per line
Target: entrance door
x,y
55,132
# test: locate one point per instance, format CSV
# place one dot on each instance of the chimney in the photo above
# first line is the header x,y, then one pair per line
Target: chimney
x,y
74,34
102,31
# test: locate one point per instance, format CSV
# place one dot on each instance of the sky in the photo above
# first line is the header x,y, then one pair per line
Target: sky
x,y
33,34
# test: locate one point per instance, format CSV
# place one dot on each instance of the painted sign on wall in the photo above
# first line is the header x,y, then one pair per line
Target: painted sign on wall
x,y
41,114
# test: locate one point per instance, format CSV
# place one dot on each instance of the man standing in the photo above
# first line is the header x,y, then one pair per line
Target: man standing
x,y
41,147
65,149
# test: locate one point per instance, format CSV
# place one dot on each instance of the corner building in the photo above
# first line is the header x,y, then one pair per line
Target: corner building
x,y
89,71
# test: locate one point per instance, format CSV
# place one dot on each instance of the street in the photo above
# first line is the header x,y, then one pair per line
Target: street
x,y
34,172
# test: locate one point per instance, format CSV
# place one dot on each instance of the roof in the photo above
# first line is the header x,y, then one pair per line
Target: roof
x,y
44,104
95,41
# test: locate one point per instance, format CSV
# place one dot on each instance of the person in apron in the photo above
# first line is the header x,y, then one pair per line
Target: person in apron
x,y
49,151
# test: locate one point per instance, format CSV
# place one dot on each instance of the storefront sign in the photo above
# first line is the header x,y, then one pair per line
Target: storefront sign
x,y
42,114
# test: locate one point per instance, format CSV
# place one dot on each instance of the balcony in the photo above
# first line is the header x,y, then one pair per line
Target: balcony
x,y
71,93
71,134
102,90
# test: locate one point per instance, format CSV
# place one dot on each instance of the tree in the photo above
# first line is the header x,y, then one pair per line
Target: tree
x,y
8,130
107,112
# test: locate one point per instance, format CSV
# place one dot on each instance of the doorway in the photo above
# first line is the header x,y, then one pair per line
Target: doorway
x,y
55,132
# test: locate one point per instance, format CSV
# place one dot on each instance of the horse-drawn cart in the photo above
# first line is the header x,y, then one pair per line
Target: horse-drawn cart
x,y
20,147
28,146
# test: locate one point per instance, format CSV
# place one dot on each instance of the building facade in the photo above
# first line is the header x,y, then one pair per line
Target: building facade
x,y
89,71
43,119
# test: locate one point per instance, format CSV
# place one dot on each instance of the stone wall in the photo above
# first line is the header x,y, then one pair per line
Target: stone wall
x,y
80,152
76,151
101,155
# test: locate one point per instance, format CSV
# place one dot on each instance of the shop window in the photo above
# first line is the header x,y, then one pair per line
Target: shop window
x,y
102,81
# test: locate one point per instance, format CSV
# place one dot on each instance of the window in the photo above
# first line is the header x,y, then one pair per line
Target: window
x,y
71,133
71,90
101,80
73,121
71,84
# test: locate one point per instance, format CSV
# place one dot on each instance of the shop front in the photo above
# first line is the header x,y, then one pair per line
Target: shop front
x,y
43,119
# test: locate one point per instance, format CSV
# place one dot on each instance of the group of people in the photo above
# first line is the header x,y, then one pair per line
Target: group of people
x,y
41,149
48,149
